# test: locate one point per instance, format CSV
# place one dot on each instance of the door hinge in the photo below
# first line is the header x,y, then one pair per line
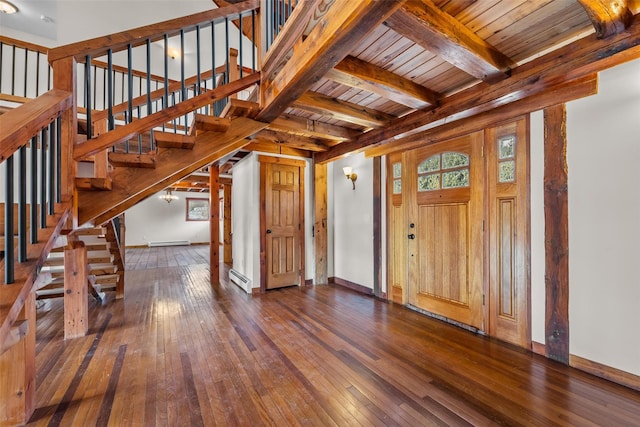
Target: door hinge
x,y
482,299
483,225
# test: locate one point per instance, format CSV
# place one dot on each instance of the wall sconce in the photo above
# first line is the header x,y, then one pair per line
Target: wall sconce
x,y
168,196
348,171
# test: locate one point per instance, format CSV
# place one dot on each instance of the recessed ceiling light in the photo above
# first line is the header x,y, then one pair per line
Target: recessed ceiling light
x,y
6,7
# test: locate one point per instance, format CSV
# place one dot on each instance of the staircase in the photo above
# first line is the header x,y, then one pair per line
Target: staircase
x,y
139,142
103,269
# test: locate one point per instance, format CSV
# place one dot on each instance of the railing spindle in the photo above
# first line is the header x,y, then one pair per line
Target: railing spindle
x,y
43,178
34,190
22,204
9,258
110,90
87,95
52,167
58,142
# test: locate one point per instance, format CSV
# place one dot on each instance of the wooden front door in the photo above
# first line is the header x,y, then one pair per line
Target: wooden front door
x,y
281,222
444,230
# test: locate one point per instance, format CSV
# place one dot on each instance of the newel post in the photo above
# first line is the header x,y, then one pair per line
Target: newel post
x,y
64,78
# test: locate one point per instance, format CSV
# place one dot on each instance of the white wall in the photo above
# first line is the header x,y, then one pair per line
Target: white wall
x,y
156,220
537,228
603,157
603,154
245,217
352,222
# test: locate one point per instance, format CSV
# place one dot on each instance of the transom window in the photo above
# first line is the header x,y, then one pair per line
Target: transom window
x,y
443,171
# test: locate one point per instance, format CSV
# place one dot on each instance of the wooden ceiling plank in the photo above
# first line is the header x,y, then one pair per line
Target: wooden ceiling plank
x,y
345,23
342,110
363,75
608,17
575,60
430,27
312,128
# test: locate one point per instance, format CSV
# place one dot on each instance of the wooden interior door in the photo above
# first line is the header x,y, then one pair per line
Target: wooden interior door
x,y
281,222
445,236
507,152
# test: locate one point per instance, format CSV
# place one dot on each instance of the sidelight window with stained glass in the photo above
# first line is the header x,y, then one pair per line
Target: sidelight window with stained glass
x,y
507,158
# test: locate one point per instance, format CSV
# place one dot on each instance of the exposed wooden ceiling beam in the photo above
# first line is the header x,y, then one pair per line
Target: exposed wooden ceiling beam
x,y
359,74
295,141
275,148
345,23
563,92
608,17
575,60
440,33
342,110
312,128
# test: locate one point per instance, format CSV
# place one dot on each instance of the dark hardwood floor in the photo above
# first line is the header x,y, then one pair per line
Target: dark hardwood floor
x,y
178,351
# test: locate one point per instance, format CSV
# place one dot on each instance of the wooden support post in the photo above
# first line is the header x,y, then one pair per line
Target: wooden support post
x,y
214,224
234,71
226,225
320,224
377,226
64,78
76,303
556,234
18,371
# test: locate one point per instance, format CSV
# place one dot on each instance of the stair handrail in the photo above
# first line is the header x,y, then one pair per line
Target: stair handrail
x,y
117,42
139,41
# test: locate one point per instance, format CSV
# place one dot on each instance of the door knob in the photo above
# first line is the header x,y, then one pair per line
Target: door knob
x,y
411,236
268,231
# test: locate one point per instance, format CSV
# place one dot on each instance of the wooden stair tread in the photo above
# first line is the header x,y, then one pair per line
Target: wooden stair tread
x,y
174,140
204,123
94,183
240,108
133,160
90,231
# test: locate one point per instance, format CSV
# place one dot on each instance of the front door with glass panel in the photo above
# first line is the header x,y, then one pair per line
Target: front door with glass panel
x,y
444,230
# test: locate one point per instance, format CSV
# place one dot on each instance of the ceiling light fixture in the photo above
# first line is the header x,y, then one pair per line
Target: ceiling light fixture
x,y
8,8
168,196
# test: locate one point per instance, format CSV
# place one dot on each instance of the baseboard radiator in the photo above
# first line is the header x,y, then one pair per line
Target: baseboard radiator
x,y
169,243
241,280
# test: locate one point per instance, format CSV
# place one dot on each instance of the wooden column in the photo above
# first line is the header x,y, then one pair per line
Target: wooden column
x,y
377,226
556,234
227,255
18,370
320,224
234,71
76,303
214,224
64,78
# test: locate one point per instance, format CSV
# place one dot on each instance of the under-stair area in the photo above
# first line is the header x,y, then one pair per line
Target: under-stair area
x,y
105,269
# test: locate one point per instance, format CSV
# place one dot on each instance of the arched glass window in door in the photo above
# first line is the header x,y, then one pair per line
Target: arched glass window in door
x,y
443,171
